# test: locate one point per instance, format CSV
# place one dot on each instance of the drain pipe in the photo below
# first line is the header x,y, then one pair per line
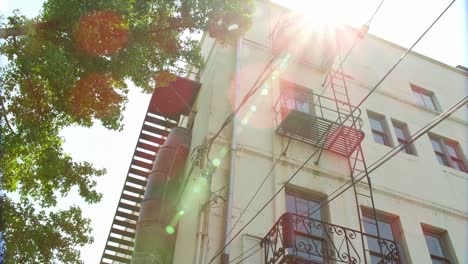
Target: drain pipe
x,y
229,202
154,243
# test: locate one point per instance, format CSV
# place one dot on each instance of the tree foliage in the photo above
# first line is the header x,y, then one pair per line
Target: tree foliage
x,y
70,65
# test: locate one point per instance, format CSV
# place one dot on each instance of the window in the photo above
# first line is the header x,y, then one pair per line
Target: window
x,y
388,232
437,246
424,97
379,128
448,153
309,235
402,134
296,97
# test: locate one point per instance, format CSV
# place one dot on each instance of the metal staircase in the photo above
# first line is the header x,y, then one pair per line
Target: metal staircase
x,y
119,245
166,106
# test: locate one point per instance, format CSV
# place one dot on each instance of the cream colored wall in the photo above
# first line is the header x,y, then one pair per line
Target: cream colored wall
x,y
415,188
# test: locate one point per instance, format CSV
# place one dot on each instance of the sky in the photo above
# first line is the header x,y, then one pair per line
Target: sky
x,y
398,21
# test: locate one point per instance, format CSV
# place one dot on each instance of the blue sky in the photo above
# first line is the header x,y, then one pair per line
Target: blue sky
x,y
399,21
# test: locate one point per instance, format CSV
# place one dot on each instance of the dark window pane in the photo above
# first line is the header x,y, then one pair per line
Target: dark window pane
x,y
428,102
434,245
400,133
376,124
451,151
385,230
441,159
290,203
379,138
439,261
436,145
458,164
418,97
375,259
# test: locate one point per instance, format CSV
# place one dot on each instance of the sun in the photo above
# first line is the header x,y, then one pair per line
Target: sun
x,y
330,12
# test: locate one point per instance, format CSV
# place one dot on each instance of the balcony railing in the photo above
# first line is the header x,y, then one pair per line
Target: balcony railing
x,y
316,120
302,240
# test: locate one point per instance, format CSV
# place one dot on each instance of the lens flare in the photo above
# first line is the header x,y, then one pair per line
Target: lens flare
x,y
101,33
170,229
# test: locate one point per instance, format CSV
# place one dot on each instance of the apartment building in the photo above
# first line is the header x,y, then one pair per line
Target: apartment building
x,y
308,106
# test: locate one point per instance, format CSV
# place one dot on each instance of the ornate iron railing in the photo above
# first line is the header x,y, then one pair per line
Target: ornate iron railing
x,y
299,239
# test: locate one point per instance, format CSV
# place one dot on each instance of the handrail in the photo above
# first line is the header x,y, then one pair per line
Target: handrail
x,y
293,235
320,108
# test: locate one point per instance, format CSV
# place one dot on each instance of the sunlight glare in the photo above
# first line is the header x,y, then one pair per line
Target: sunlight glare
x,y
331,12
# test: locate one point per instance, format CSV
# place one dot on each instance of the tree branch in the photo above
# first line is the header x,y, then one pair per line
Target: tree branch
x,y
5,116
23,30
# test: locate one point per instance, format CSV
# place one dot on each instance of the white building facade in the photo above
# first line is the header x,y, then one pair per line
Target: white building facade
x,y
420,195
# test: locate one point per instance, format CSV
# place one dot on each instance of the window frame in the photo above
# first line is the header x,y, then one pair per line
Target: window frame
x,y
419,92
444,243
458,163
406,147
385,134
314,197
394,223
293,92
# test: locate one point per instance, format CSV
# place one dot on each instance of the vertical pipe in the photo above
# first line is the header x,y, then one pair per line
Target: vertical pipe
x,y
229,202
153,244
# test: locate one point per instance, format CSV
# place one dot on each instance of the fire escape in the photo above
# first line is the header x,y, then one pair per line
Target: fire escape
x,y
164,111
332,124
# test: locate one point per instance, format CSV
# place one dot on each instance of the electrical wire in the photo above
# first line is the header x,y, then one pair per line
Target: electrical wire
x,y
266,204
251,254
375,13
387,156
355,42
252,91
283,153
245,252
310,157
399,60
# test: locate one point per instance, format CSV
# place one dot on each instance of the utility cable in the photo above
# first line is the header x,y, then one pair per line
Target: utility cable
x,y
378,163
283,153
399,61
245,252
251,254
266,204
375,13
390,154
310,157
355,42
252,90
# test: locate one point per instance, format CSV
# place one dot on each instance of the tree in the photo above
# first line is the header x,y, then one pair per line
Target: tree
x,y
69,66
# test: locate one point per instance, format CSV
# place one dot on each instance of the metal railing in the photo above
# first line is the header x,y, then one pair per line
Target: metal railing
x,y
318,106
300,239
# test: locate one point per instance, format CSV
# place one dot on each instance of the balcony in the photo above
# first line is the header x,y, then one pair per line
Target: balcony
x,y
301,240
315,120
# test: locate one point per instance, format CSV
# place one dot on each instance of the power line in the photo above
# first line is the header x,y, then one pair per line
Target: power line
x,y
261,185
390,154
266,204
355,42
378,163
251,254
245,252
401,59
375,13
310,157
252,91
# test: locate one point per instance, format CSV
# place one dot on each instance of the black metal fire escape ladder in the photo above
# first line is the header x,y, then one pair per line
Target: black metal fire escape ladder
x,y
356,161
